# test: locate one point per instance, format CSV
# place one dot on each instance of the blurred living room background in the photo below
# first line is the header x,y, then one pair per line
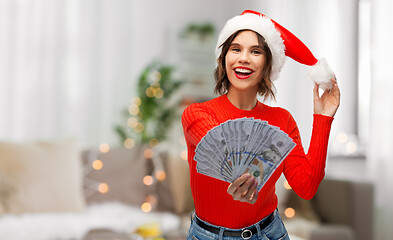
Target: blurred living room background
x,y
91,94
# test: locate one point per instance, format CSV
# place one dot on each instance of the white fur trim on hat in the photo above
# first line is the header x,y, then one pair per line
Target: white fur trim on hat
x,y
321,73
265,27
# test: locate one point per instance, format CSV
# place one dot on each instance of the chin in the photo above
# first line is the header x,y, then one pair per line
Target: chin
x,y
244,85
244,89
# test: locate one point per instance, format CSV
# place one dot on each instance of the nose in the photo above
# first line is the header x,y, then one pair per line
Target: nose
x,y
244,57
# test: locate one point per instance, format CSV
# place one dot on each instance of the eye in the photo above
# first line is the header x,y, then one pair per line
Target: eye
x,y
256,52
236,49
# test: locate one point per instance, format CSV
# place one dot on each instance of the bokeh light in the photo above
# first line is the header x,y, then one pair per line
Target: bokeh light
x,y
155,76
146,207
350,148
148,153
103,188
160,175
148,180
136,101
153,142
132,122
289,212
134,110
129,143
287,186
151,199
97,164
183,154
159,93
104,148
139,127
150,92
342,137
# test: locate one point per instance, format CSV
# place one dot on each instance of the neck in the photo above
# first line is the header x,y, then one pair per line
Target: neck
x,y
242,100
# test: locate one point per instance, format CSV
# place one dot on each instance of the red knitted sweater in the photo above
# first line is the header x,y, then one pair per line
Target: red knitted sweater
x,y
303,172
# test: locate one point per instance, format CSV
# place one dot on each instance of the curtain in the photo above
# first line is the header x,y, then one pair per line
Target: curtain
x,y
380,155
64,68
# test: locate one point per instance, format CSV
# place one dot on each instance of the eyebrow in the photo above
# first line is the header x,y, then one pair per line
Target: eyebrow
x,y
237,45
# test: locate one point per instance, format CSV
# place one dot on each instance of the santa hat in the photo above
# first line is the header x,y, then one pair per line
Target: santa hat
x,y
281,43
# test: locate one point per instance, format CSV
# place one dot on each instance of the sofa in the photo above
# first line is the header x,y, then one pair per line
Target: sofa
x,y
341,210
56,190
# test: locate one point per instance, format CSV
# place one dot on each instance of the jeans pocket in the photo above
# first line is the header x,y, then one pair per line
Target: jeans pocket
x,y
195,238
285,237
276,237
190,232
198,233
276,230
200,236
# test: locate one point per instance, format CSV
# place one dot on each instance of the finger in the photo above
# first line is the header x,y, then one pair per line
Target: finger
x,y
237,183
336,91
251,191
243,189
334,82
316,91
254,197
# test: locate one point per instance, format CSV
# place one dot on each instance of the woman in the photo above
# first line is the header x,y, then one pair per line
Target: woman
x,y
250,54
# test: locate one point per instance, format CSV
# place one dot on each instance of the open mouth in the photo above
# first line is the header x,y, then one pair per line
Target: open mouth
x,y
243,73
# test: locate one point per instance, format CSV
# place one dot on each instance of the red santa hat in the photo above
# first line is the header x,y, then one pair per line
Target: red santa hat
x,y
281,43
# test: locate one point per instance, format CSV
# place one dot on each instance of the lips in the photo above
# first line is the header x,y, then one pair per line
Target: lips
x,y
243,72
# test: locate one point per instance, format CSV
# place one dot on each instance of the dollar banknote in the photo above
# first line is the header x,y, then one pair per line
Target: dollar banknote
x,y
244,145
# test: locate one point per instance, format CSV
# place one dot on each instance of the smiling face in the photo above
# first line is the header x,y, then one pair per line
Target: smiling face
x,y
244,63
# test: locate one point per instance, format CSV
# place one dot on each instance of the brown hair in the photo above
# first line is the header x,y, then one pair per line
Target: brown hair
x,y
265,86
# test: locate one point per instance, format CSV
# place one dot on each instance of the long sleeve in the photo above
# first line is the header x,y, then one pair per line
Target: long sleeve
x,y
197,121
305,172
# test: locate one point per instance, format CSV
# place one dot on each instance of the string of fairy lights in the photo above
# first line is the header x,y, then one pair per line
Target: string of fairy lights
x,y
94,164
149,180
136,133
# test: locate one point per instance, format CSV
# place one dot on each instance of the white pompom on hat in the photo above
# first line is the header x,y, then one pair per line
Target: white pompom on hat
x,y
281,43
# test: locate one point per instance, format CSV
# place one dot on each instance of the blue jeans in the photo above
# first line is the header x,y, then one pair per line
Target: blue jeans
x,y
274,231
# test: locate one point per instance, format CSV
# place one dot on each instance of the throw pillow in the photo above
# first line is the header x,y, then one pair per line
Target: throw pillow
x,y
122,171
40,177
288,198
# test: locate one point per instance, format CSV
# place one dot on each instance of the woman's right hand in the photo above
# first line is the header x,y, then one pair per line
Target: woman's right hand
x,y
244,189
328,103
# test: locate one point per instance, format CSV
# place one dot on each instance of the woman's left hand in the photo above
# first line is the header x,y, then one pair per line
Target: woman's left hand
x,y
328,103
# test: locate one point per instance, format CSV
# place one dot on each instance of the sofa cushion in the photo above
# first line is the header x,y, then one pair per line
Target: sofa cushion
x,y
333,201
122,170
288,198
40,177
303,208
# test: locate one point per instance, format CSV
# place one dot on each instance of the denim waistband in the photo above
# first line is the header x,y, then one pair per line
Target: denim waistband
x,y
241,233
275,230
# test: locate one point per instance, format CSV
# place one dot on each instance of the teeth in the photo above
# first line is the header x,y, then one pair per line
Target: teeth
x,y
242,70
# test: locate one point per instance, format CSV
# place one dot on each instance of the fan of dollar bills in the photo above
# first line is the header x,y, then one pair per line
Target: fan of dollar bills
x,y
242,145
